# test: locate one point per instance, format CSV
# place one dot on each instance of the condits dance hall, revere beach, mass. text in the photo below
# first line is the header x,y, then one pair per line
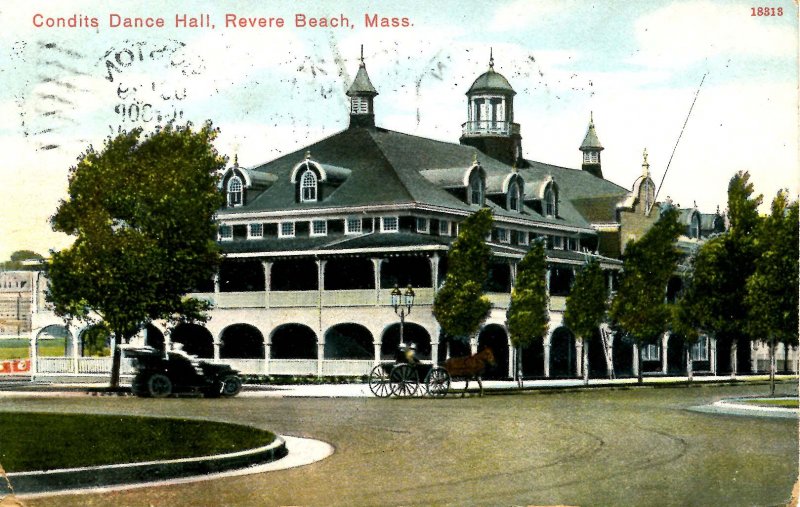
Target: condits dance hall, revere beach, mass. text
x,y
299,20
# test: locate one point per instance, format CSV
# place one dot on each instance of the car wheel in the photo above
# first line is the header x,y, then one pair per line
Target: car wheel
x,y
159,385
231,385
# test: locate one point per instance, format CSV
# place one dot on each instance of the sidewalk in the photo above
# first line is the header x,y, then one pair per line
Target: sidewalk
x,y
491,387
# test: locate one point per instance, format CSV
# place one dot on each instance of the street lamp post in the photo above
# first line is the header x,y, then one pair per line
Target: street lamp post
x,y
402,303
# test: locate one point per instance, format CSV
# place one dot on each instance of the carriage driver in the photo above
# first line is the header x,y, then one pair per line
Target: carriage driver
x,y
411,354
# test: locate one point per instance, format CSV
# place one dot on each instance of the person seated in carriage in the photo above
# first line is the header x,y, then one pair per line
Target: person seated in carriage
x,y
407,354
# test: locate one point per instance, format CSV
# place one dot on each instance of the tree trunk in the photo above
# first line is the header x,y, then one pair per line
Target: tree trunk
x,y
585,362
772,367
116,354
689,369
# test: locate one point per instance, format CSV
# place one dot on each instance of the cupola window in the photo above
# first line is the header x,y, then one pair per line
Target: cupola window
x,y
235,191
308,187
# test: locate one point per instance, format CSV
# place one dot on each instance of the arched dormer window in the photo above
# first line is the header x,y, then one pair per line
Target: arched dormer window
x,y
514,197
308,187
235,194
550,201
477,189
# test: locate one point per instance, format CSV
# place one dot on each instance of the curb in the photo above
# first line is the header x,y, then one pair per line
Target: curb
x,y
51,481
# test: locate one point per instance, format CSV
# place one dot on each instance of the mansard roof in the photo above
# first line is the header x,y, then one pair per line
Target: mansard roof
x,y
392,168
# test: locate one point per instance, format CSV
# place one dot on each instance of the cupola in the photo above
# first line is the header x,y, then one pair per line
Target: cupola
x,y
362,93
490,123
591,149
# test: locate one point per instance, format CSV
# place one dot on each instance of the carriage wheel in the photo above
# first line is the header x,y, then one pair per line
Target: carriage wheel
x,y
437,382
379,382
404,380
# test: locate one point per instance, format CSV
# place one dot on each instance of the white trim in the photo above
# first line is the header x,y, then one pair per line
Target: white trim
x,y
271,216
281,234
323,176
298,253
383,224
311,228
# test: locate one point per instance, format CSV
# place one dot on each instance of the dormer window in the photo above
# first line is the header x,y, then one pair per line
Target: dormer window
x,y
476,189
235,191
514,201
550,199
308,187
694,228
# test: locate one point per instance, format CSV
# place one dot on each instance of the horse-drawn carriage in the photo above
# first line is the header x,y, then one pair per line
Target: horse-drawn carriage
x,y
402,378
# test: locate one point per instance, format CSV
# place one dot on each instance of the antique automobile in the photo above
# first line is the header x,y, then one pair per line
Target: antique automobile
x,y
160,374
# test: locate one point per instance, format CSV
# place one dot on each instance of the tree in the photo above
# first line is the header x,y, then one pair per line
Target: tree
x,y
528,314
772,288
685,317
640,307
723,265
18,260
586,307
460,306
141,211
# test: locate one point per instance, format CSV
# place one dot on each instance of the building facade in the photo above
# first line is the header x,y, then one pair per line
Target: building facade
x,y
315,240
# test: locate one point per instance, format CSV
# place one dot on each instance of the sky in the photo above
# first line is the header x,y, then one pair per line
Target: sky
x,y
636,67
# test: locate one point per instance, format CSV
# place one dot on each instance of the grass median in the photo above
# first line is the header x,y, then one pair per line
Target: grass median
x,y
34,441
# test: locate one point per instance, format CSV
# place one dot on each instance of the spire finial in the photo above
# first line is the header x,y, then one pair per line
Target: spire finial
x,y
514,168
235,160
474,158
362,57
491,59
308,154
591,118
645,164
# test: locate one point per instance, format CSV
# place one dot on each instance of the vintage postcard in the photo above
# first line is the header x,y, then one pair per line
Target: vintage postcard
x,y
379,178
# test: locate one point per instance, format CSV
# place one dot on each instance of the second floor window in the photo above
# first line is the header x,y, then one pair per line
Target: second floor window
x,y
389,224
444,228
319,228
422,225
352,226
225,232
256,231
476,190
308,187
502,235
286,230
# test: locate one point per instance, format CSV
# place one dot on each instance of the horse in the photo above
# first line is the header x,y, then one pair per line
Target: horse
x,y
471,367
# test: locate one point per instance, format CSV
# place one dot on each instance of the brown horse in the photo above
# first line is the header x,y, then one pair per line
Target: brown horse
x,y
471,367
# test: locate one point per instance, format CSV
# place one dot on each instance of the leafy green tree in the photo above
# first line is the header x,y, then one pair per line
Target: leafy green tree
x,y
723,265
95,341
772,288
587,305
18,260
639,306
685,317
528,314
141,211
460,305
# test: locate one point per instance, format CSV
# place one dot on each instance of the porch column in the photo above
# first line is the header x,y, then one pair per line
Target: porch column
x,y
578,357
512,267
434,260
712,343
473,344
664,345
734,346
547,280
435,344
217,347
320,356
216,283
267,281
635,360
376,345
167,339
512,359
267,347
75,352
754,357
547,339
376,273
610,275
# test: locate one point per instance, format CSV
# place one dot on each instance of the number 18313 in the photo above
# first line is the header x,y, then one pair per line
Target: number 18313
x,y
766,11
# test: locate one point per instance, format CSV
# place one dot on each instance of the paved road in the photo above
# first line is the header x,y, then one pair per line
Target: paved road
x,y
626,447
